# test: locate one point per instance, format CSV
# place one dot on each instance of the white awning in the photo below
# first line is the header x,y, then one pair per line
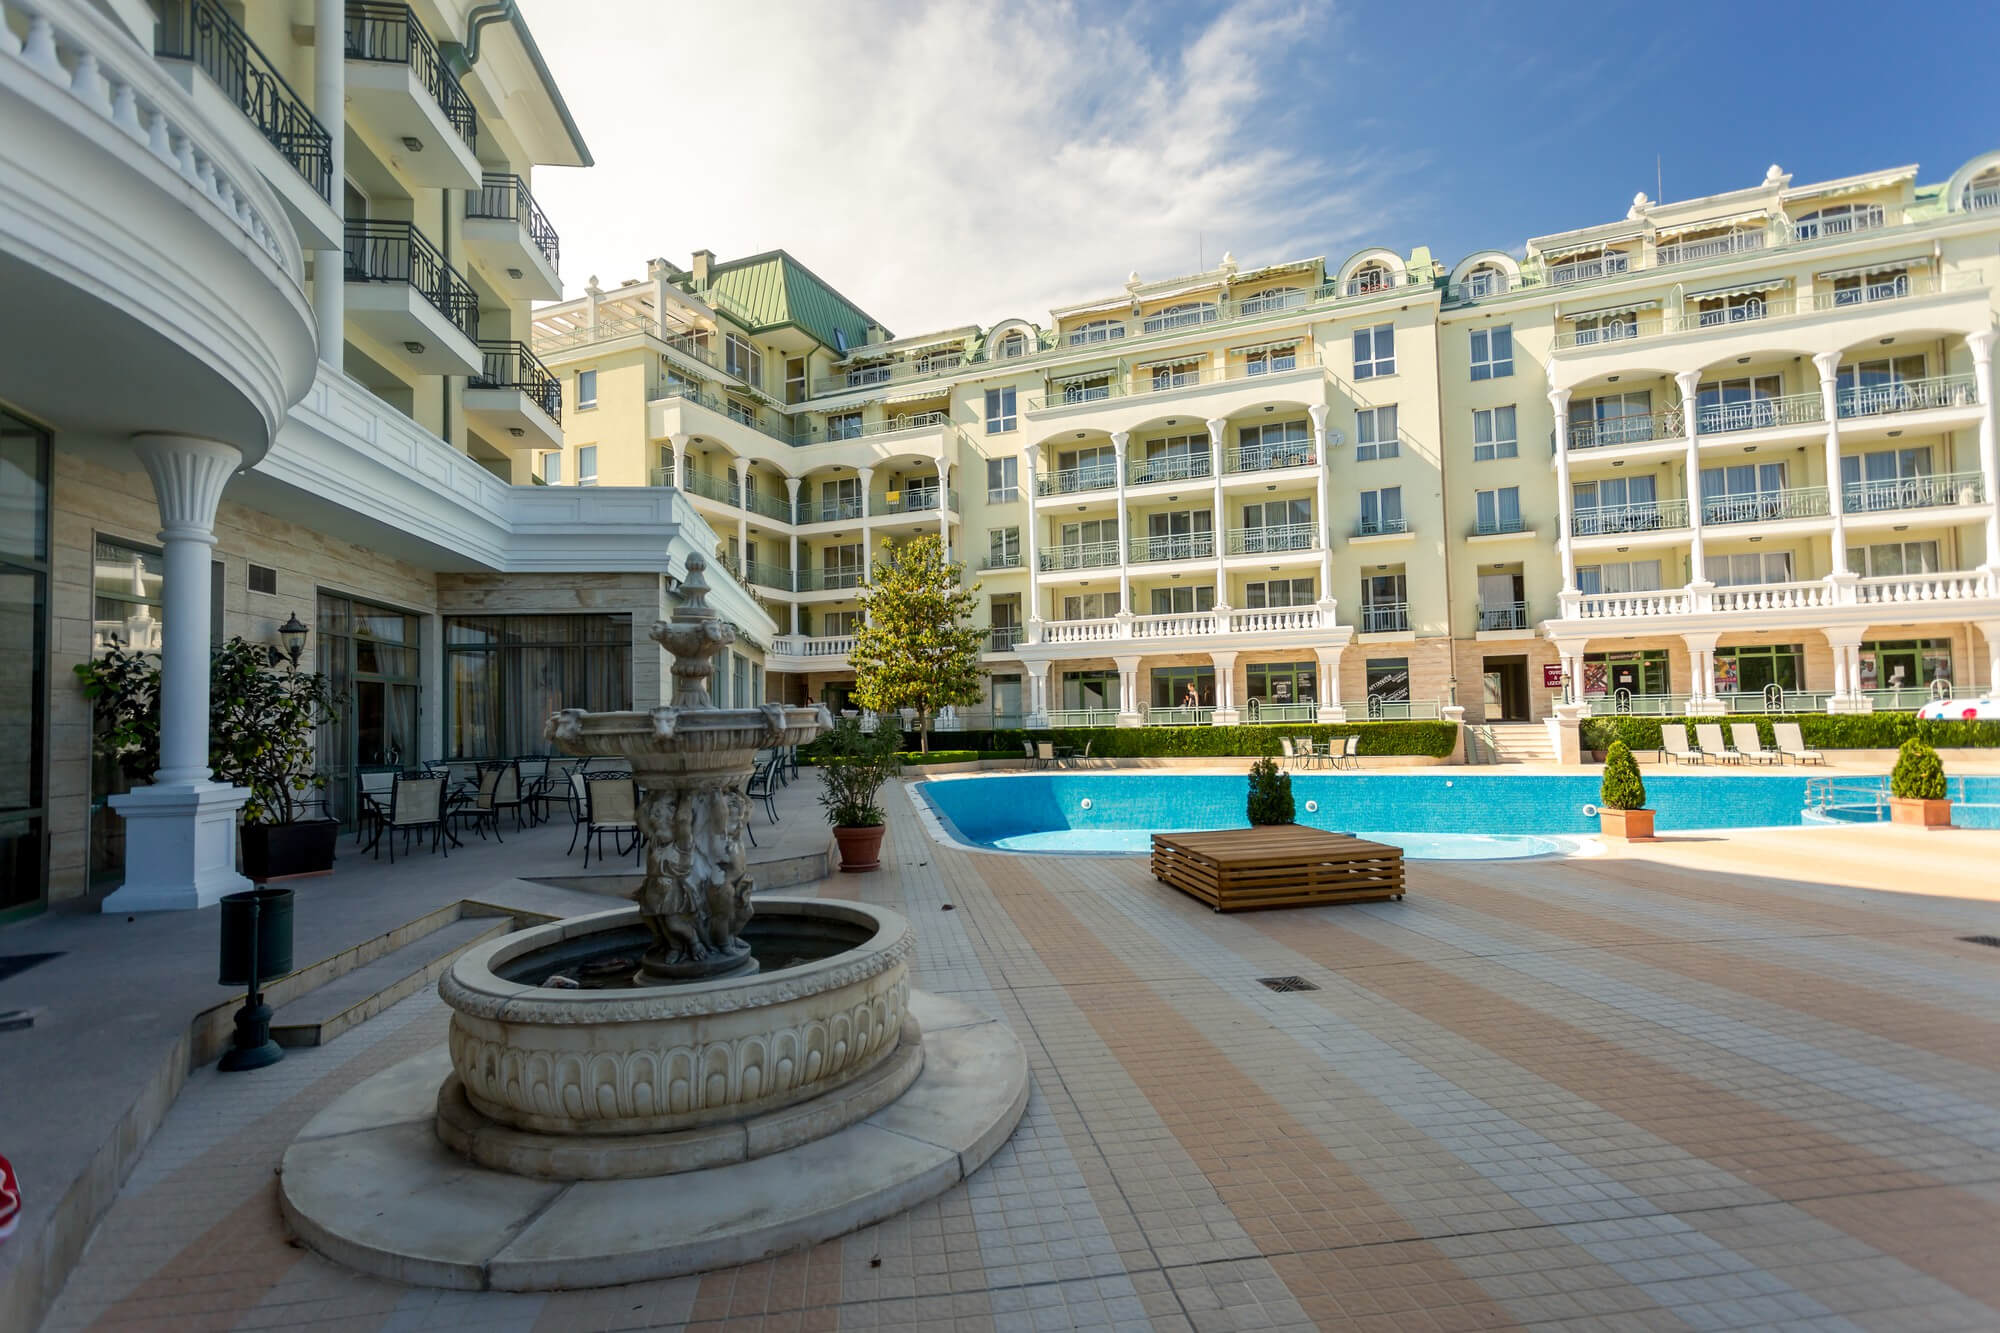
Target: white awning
x,y
1171,363
1282,344
1713,224
919,396
1879,266
1083,376
1625,308
1739,289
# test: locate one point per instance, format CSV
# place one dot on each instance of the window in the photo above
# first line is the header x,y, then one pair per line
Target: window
x,y
1731,309
1891,559
1275,298
1175,374
1375,433
1643,672
1276,444
1743,493
1738,404
1498,510
1085,469
1503,601
1175,458
937,363
1493,352
1905,664
1382,511
1863,388
1013,345
1279,683
586,388
552,469
841,566
1090,532
1182,534
1183,600
1277,525
1271,360
1750,569
1003,479
1003,548
1616,504
1374,351
1087,388
1370,278
1838,220
844,426
1184,687
1748,670
742,360
1004,616
1095,690
875,372
1482,283
263,579
1616,418
740,412
130,587
586,465
1389,679
999,410
839,624
1097,331
1620,576
1090,606
1609,328
839,497
1269,593
1493,434
1003,695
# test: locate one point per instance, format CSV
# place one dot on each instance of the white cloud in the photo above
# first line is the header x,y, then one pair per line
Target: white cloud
x,y
949,164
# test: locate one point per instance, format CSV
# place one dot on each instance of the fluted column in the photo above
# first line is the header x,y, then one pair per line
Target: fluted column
x,y
329,106
1981,345
679,444
180,832
1565,498
1218,428
1128,692
1031,530
867,529
944,507
792,500
1689,381
1119,439
1321,483
1828,364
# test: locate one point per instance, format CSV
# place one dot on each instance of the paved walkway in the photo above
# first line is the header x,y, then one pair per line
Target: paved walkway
x,y
1727,1081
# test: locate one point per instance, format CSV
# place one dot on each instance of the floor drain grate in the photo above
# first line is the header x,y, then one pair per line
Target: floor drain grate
x,y
1283,984
1990,941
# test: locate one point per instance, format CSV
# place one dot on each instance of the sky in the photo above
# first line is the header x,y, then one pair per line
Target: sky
x,y
956,163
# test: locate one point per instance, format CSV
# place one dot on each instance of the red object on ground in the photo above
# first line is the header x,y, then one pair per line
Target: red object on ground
x,y
10,1199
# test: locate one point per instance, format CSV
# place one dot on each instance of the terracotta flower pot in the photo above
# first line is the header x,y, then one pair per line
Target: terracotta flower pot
x,y
1631,825
860,848
1920,813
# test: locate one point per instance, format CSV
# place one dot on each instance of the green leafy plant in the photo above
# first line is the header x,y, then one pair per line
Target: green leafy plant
x,y
1918,775
853,765
916,647
1820,731
1622,788
261,723
1270,794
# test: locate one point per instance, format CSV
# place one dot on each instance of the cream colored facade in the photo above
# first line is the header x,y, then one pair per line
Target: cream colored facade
x,y
1816,357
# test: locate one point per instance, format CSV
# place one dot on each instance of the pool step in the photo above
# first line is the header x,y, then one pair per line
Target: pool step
x,y
321,1014
1517,743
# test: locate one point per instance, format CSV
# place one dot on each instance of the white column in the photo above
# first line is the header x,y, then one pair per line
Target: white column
x,y
679,444
1689,381
1330,709
1119,439
1225,688
944,508
1321,482
1038,694
1701,667
1031,531
792,501
1847,696
1218,429
180,832
1828,364
867,528
329,107
1991,629
1128,691
1981,345
1565,499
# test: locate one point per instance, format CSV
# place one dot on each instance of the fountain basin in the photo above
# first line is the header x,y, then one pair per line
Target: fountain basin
x,y
664,1060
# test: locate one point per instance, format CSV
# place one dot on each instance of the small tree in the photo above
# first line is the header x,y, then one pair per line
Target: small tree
x,y
917,647
1919,774
1271,794
1622,788
853,765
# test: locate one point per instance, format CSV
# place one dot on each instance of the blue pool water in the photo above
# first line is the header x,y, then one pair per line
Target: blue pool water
x,y
1433,815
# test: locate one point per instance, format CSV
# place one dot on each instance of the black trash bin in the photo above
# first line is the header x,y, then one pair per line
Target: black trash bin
x,y
256,946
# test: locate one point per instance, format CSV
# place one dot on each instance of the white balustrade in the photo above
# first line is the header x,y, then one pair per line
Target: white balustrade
x,y
1952,587
1079,631
1774,596
1178,626
1275,620
806,646
1619,605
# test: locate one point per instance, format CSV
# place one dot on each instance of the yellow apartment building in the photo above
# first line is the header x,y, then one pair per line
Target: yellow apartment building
x,y
1728,453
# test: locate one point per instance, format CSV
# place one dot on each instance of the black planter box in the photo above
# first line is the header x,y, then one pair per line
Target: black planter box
x,y
275,851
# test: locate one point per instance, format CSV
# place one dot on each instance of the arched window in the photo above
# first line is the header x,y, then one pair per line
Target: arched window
x,y
1097,331
1013,345
1373,276
1484,281
1184,316
1982,191
1837,220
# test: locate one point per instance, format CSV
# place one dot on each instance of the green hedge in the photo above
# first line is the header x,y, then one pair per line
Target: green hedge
x,y
1821,731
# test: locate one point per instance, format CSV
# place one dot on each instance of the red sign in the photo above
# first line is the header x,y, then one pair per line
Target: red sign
x,y
1552,675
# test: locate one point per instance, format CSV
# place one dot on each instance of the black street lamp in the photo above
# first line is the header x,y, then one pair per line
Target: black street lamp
x,y
293,635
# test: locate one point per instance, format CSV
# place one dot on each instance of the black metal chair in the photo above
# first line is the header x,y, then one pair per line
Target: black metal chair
x,y
483,807
415,804
610,805
763,787
507,791
533,771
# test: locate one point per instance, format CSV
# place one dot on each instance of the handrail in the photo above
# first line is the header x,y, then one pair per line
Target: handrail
x,y
216,43
1667,424
1167,467
391,34
378,251
1770,308
513,365
1918,395
1270,457
714,488
841,576
1078,555
1791,409
1766,506
1273,538
766,575
1068,481
1385,617
1181,546
506,196
1498,527
1381,527
889,426
1646,516
1513,615
768,505
1932,491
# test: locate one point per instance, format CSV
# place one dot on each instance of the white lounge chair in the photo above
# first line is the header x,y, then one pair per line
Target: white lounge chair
x,y
1792,744
1674,743
1708,737
1291,755
1750,744
1350,754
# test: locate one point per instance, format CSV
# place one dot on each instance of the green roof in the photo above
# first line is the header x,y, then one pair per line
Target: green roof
x,y
773,289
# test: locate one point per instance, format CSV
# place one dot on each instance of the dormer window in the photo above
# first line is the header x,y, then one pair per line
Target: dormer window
x,y
1013,345
1838,220
1097,331
1370,277
1483,282
1982,191
1186,315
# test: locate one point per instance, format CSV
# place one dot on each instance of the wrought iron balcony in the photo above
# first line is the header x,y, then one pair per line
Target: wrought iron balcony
x,y
397,252
1508,615
1079,555
1381,527
1274,538
1766,506
1385,617
506,197
1071,480
1869,400
205,34
1646,516
1181,546
1927,492
390,34
511,365
1792,409
1167,467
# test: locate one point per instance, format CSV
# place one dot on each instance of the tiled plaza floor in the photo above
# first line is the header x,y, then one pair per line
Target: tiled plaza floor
x,y
1749,1081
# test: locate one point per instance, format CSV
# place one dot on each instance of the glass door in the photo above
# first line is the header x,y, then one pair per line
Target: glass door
x,y
24,598
369,653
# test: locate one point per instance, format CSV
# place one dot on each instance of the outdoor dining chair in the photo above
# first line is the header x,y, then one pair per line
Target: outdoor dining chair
x,y
415,804
610,805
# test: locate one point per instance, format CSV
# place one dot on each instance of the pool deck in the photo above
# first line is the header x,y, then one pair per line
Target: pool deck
x,y
1732,1080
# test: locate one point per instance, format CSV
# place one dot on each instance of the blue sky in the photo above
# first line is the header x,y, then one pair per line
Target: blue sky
x,y
948,164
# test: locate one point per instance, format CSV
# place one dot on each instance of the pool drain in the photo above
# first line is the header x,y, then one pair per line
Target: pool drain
x,y
1283,984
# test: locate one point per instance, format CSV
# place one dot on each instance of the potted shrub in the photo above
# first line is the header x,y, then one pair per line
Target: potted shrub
x,y
1270,794
853,765
1916,787
1622,811
262,723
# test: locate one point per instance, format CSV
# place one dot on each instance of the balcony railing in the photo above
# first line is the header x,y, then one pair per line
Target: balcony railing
x,y
1775,308
1860,220
769,576
1079,555
1611,431
1185,624
391,34
1002,560
1400,710
1809,595
1950,587
398,252
887,426
1509,615
205,34
506,197
1071,718
692,345
1186,546
689,391
1792,409
821,580
1179,717
1181,319
1871,400
1275,620
1269,457
714,488
1766,506
1647,516
1587,270
770,506
512,365
1148,382
1273,538
1002,638
1263,710
1168,467
1712,247
1173,625
1928,492
1385,617
1499,525
1797,595
1069,481
919,500
1381,527
830,511
800,645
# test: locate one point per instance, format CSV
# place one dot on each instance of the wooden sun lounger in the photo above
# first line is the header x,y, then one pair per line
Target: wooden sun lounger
x,y
1287,865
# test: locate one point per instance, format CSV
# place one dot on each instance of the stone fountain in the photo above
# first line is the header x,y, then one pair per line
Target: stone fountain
x,y
709,1079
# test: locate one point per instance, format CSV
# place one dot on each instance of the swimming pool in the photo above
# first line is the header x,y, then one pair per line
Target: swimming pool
x,y
1433,815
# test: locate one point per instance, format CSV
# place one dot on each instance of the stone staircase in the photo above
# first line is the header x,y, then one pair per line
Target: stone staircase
x,y
1509,743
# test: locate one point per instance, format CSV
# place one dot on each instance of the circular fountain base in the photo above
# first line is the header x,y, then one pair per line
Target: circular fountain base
x,y
369,1184
657,968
